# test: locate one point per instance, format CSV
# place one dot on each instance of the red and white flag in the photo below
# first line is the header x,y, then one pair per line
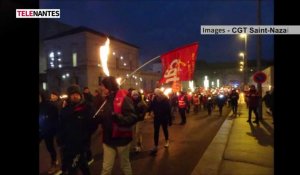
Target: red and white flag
x,y
179,64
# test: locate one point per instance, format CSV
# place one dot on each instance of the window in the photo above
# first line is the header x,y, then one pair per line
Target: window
x,y
74,59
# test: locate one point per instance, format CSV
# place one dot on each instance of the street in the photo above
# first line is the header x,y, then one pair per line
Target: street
x,y
187,144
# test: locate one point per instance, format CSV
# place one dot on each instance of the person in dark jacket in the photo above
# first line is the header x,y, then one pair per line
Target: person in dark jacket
x,y
87,95
162,116
74,129
234,98
117,116
221,100
253,101
210,105
140,107
48,122
267,99
55,99
90,100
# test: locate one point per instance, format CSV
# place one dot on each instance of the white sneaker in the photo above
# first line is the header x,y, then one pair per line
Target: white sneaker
x,y
167,144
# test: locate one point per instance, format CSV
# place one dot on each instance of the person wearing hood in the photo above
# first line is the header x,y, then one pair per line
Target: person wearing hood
x,y
116,116
74,129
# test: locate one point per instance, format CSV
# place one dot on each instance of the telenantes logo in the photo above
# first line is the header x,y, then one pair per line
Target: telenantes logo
x,y
37,13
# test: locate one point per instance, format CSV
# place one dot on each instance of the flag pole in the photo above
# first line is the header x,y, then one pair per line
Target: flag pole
x,y
140,68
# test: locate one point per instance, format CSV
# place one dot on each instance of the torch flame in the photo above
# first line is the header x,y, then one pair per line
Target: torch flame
x,y
104,50
119,80
191,85
167,91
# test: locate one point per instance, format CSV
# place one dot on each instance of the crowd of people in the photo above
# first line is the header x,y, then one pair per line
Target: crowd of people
x,y
121,114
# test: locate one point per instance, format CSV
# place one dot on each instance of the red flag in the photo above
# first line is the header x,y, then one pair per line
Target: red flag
x,y
179,64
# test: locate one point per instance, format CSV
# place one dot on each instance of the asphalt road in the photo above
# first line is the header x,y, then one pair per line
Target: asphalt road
x,y
187,144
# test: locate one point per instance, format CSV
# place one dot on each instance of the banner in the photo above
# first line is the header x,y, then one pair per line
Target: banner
x,y
179,64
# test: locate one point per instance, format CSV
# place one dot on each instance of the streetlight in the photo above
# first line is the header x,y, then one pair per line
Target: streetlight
x,y
243,67
244,36
206,82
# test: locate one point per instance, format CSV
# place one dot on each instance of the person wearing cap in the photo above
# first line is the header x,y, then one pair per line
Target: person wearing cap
x,y
116,116
73,136
162,116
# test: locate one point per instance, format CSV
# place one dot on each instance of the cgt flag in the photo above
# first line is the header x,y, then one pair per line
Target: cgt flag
x,y
179,64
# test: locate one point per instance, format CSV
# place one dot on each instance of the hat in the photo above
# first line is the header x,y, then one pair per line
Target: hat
x,y
110,83
74,89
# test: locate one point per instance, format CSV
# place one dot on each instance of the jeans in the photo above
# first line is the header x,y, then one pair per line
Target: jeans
x,y
109,155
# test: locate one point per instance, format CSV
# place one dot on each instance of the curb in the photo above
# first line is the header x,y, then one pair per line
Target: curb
x,y
210,162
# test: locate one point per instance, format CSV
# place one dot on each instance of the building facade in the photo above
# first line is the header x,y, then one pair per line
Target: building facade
x,y
73,57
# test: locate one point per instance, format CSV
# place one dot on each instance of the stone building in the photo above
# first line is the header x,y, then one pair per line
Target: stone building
x,y
73,57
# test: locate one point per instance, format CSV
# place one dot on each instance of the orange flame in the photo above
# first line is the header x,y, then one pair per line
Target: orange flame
x,y
104,51
119,80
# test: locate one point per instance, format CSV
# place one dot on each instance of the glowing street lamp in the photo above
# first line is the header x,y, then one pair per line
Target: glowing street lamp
x,y
243,66
242,55
206,82
244,36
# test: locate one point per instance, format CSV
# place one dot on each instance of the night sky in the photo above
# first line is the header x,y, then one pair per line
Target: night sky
x,y
158,27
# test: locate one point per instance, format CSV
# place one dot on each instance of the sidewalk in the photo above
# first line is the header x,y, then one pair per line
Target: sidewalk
x,y
240,148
